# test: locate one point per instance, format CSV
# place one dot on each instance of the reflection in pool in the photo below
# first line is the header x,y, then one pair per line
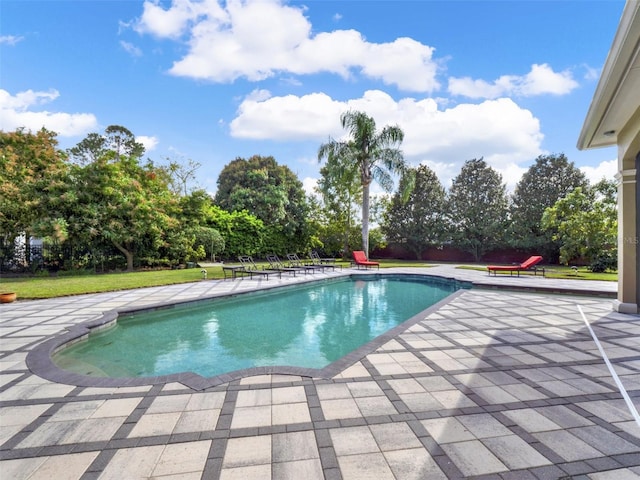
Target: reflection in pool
x,y
306,326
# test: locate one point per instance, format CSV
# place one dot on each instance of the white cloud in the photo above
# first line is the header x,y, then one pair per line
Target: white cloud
x,y
131,49
539,81
606,169
237,42
511,175
290,117
150,143
28,98
18,112
290,81
172,23
10,39
309,184
500,131
542,80
445,171
404,62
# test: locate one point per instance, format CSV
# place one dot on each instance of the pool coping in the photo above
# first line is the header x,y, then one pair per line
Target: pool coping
x,y
40,362
475,347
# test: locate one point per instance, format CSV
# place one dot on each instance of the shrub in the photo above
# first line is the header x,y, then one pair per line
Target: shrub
x,y
603,262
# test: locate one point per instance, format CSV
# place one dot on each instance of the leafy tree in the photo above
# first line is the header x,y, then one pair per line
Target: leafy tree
x,y
195,208
32,180
272,193
125,204
116,139
418,221
180,174
585,222
195,216
376,239
122,142
340,189
89,149
114,199
477,208
255,185
548,180
374,154
329,235
242,232
210,240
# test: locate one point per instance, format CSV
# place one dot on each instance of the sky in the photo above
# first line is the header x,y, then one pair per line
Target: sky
x,y
214,80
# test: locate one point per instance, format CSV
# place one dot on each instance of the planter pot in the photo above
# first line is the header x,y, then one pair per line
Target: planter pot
x,y
8,297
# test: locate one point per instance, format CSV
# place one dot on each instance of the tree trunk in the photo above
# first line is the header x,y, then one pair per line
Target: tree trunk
x,y
365,219
476,252
127,254
416,250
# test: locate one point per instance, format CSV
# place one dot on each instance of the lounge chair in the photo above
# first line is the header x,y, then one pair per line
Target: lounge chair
x,y
276,264
294,261
360,259
315,255
316,261
529,263
234,271
252,269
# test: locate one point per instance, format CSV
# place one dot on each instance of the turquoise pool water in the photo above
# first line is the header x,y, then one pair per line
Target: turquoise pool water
x,y
306,326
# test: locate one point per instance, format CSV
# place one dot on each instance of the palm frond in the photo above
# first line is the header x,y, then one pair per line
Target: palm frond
x,y
383,177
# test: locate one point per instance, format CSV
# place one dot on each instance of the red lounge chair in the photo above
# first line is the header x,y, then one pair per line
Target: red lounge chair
x,y
360,259
526,265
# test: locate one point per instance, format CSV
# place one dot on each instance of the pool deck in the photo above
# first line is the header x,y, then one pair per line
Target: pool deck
x,y
503,381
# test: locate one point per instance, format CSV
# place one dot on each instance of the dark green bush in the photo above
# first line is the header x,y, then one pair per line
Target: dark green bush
x,y
603,262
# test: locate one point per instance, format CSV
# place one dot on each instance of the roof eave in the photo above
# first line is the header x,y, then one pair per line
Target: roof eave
x,y
619,79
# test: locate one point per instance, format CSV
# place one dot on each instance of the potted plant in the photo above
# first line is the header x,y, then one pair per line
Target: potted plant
x,y
7,297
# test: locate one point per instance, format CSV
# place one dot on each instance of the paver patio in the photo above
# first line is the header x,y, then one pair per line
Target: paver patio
x,y
491,383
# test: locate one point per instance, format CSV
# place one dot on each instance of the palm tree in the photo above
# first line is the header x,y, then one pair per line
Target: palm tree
x,y
373,153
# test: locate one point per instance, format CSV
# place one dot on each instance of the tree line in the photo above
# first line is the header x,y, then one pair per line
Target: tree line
x,y
107,206
553,211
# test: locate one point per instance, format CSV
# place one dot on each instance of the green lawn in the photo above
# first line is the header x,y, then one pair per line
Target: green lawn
x,y
39,287
50,287
558,271
388,263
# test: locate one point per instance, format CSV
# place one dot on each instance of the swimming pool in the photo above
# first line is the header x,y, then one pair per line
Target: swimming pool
x,y
306,326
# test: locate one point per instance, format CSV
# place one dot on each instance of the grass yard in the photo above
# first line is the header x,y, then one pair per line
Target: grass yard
x,y
59,286
39,287
388,263
558,271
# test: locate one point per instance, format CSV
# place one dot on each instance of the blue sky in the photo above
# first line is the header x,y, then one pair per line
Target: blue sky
x,y
212,80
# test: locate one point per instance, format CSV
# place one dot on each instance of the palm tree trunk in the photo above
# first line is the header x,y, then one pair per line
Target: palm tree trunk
x,y
365,219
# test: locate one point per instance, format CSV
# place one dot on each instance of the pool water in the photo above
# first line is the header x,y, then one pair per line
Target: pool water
x,y
306,326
